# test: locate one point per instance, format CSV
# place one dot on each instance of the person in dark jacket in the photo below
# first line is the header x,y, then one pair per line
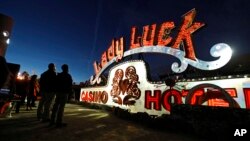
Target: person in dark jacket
x,y
48,91
64,88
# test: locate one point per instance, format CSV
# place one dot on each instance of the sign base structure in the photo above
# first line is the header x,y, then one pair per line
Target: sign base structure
x,y
128,88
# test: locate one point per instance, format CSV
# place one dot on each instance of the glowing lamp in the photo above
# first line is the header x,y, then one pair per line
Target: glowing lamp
x,y
8,41
5,33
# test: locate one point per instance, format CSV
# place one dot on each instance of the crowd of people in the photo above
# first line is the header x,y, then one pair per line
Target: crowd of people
x,y
25,89
53,89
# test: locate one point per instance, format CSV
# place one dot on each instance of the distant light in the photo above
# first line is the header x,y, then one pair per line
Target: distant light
x,y
8,41
5,33
19,76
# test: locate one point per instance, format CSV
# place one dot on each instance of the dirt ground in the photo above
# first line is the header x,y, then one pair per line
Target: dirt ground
x,y
84,124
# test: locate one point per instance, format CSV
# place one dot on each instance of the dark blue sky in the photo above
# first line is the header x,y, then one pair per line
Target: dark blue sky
x,y
76,32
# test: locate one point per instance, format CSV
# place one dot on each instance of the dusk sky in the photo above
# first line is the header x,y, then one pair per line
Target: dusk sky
x,y
77,32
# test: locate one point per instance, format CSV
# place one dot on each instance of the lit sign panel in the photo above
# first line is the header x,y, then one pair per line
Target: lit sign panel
x,y
128,88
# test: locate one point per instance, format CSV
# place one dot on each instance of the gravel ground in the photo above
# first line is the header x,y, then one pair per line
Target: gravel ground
x,y
84,124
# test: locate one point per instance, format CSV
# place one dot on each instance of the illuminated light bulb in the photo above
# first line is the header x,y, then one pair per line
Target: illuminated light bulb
x,y
5,33
218,47
8,41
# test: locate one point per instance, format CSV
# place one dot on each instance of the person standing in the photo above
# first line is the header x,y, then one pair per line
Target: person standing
x,y
64,88
22,88
48,90
33,90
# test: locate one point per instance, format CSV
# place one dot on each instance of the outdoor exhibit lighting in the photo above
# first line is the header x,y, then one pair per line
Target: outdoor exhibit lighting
x,y
6,38
6,24
8,41
6,34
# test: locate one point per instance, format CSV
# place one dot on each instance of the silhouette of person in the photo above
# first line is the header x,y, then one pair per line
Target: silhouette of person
x,y
22,89
33,90
64,88
48,90
24,86
36,92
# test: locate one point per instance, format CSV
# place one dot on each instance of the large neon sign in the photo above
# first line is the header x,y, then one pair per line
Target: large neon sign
x,y
160,41
127,85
